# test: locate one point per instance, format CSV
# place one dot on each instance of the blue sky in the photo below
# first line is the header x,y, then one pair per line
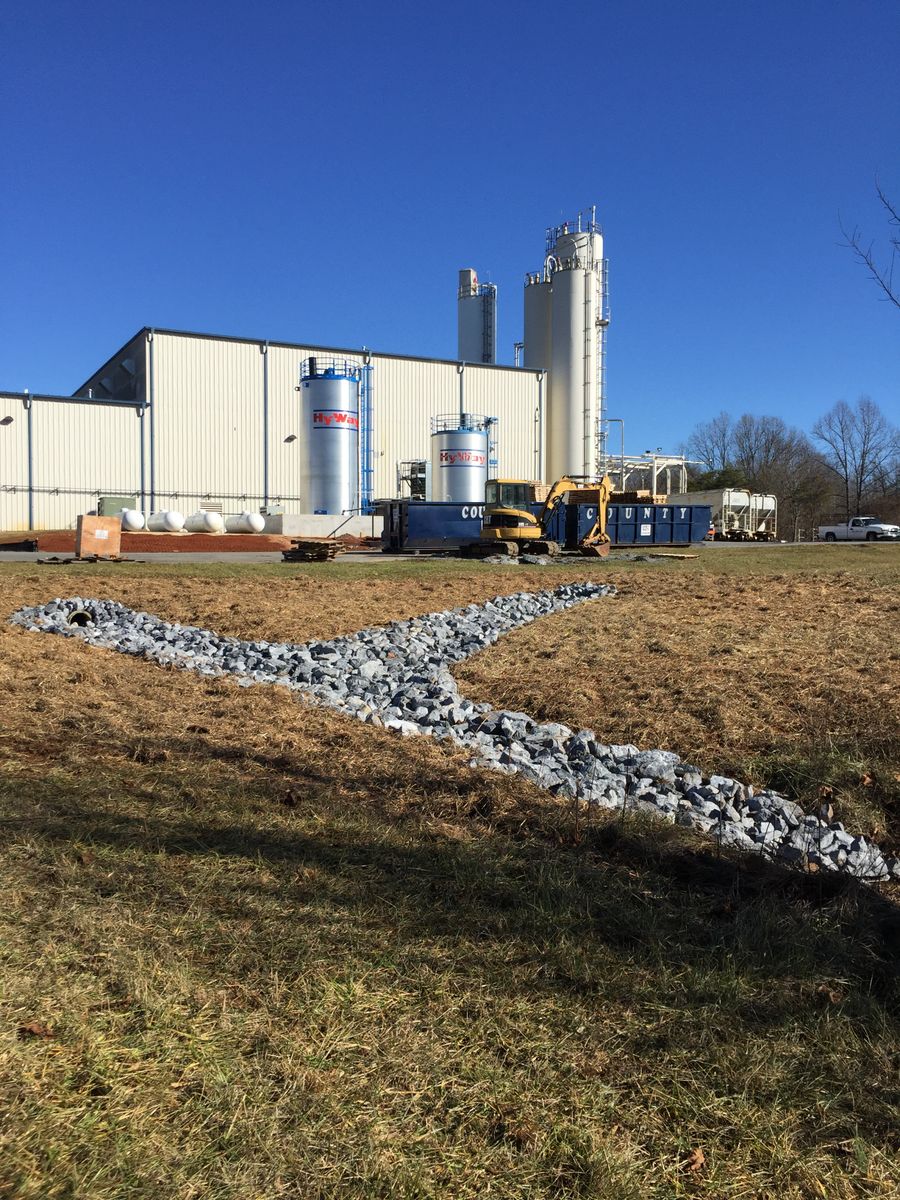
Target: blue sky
x,y
319,173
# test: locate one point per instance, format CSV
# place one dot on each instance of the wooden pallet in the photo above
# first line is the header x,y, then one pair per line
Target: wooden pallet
x,y
55,561
312,550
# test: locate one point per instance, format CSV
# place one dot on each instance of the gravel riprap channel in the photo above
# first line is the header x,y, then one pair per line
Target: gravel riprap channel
x,y
398,676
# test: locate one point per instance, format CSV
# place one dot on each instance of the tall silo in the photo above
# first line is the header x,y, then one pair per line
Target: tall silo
x,y
476,309
460,451
565,330
536,354
329,466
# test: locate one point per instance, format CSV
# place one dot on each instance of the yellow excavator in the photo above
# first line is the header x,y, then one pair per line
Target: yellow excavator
x,y
510,527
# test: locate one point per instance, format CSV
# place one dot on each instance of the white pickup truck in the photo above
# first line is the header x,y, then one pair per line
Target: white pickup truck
x,y
859,529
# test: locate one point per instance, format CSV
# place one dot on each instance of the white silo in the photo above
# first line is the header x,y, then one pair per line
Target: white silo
x,y
536,354
565,330
476,310
329,467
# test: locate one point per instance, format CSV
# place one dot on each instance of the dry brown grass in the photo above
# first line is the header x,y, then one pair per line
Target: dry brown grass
x,y
784,680
282,954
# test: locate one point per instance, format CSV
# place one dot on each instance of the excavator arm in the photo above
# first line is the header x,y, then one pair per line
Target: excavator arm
x,y
597,542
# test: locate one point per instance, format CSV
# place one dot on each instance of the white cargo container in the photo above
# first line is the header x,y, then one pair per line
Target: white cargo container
x,y
731,511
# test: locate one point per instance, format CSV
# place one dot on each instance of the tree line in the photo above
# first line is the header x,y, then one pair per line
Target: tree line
x,y
848,464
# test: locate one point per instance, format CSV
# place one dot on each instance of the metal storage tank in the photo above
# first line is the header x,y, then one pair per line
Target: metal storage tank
x,y
536,355
460,445
476,308
329,467
568,416
565,330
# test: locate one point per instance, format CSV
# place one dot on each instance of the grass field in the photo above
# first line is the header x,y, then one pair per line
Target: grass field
x,y
252,949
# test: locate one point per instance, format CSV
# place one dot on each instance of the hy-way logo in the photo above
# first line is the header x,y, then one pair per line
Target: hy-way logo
x,y
469,458
334,418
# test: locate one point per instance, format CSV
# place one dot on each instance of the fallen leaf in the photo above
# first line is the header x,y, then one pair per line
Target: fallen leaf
x,y
34,1029
696,1160
86,857
866,779
832,995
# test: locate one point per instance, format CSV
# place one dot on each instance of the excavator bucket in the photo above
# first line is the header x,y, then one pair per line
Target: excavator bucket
x,y
597,550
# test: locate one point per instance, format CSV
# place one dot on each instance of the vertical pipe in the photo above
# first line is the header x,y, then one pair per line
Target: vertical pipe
x,y
367,435
460,370
622,423
151,388
140,413
28,402
586,432
264,350
540,427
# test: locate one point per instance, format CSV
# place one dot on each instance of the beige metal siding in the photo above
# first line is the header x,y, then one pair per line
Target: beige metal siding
x,y
409,393
198,382
512,396
285,433
13,464
207,398
208,401
82,451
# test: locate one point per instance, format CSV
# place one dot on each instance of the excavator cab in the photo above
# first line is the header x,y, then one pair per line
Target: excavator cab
x,y
510,525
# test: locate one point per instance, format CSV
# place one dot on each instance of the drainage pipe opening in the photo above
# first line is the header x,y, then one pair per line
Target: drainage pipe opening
x,y
80,617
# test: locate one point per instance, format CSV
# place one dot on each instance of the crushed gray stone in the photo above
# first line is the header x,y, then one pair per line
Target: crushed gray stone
x,y
398,677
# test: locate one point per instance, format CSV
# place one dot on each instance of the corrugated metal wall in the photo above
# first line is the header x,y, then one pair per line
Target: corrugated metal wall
x,y
205,427
13,463
207,421
222,384
80,451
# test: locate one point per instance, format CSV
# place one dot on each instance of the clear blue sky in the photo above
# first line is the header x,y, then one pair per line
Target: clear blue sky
x,y
320,172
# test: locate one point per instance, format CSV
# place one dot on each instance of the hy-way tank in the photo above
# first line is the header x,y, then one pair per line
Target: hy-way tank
x,y
460,454
329,418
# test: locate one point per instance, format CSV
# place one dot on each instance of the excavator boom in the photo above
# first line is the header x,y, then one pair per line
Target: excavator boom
x,y
516,526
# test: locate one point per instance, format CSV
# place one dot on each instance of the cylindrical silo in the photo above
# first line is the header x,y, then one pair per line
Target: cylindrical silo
x,y
329,467
459,458
536,354
476,308
565,324
565,418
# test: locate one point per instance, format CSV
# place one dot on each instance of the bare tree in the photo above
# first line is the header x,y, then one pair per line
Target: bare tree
x,y
883,276
860,447
763,454
713,442
761,447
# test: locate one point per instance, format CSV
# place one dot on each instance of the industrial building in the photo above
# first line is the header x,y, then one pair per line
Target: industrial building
x,y
188,420
178,420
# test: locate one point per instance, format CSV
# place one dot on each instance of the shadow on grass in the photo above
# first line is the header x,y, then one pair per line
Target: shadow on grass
x,y
648,895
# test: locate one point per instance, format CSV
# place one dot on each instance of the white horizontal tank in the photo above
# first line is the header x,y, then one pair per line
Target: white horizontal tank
x,y
245,522
167,521
132,520
203,521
